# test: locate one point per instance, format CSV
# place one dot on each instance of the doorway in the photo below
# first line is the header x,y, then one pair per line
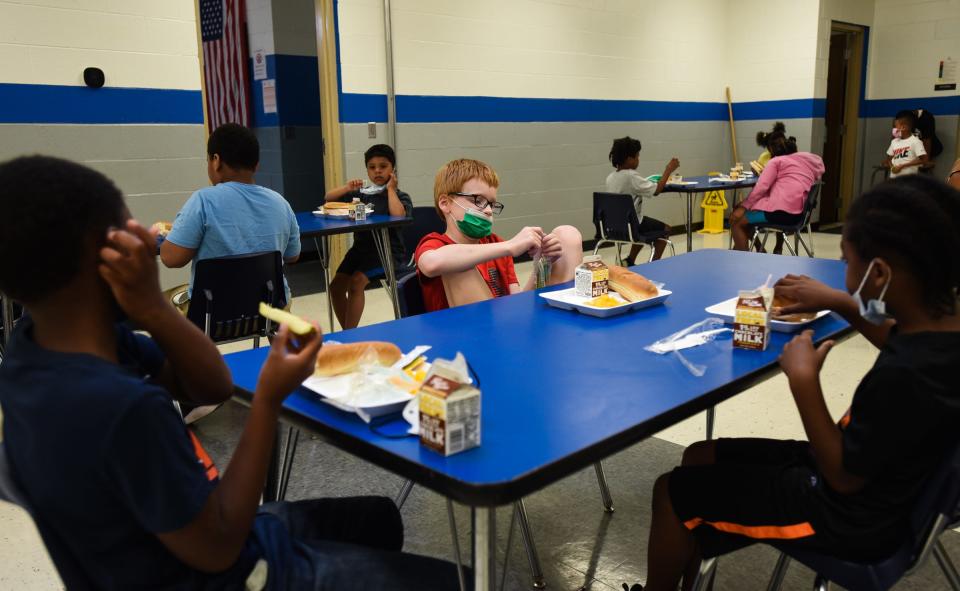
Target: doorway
x,y
844,71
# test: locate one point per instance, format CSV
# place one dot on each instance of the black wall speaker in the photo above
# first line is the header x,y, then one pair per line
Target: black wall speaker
x,y
93,77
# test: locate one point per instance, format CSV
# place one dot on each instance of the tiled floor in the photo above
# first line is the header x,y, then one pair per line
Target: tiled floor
x,y
585,549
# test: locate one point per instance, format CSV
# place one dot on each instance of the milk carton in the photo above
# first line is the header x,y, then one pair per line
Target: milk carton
x,y
751,320
449,413
591,277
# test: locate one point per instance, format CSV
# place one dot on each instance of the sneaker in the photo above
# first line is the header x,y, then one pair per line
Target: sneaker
x,y
198,412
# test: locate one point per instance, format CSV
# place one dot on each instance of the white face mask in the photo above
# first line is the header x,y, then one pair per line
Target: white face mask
x,y
874,311
895,133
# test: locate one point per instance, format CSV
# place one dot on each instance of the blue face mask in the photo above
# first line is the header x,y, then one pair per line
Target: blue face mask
x,y
875,310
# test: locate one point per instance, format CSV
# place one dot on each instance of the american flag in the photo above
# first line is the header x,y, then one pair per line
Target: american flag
x,y
224,34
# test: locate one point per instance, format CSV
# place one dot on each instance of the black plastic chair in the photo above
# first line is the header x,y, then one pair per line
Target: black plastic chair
x,y
937,510
796,230
227,292
410,295
615,219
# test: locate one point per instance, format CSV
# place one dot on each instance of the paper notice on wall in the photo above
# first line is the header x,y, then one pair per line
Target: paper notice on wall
x,y
259,65
946,75
269,96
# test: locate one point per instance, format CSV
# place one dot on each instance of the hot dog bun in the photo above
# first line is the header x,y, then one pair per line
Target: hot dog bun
x,y
781,301
631,286
337,205
333,360
162,228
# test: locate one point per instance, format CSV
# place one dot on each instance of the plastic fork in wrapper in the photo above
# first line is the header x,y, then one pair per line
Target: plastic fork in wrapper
x,y
691,336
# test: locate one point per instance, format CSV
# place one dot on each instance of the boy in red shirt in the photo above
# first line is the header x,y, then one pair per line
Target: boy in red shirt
x,y
468,263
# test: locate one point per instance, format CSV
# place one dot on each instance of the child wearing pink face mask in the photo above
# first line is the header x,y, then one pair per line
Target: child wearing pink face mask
x,y
906,153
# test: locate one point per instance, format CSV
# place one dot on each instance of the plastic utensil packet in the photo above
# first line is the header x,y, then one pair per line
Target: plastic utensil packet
x,y
694,335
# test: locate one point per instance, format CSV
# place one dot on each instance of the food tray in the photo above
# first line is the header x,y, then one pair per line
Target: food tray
x,y
567,299
338,213
727,308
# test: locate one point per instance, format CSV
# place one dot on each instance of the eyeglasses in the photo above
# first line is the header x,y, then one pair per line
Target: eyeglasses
x,y
481,202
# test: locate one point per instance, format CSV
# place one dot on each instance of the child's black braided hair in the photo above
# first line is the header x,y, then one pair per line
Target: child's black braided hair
x,y
914,220
762,136
622,149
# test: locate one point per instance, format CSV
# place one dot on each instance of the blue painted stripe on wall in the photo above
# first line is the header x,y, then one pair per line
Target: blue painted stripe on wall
x,y
784,109
47,103
938,105
361,108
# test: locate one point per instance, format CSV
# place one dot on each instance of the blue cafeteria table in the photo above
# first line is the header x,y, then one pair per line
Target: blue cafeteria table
x,y
703,185
320,228
560,390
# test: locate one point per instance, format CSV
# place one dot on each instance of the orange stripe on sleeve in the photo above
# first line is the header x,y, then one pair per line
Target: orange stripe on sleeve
x,y
204,458
763,532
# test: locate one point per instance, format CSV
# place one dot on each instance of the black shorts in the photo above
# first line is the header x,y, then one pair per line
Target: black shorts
x,y
765,490
368,262
649,224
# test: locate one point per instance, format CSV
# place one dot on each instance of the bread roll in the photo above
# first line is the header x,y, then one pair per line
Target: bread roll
x,y
337,205
631,286
162,228
780,301
333,360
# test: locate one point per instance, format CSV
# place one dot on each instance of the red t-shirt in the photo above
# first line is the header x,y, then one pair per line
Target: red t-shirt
x,y
498,273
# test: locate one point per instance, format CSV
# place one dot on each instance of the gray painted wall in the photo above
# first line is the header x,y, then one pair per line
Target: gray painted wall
x,y
156,167
877,139
548,171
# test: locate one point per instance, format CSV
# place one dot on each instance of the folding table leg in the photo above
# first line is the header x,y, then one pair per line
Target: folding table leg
x,y
484,548
605,495
536,571
290,450
946,565
382,242
779,572
690,222
324,254
708,570
452,520
711,415
404,493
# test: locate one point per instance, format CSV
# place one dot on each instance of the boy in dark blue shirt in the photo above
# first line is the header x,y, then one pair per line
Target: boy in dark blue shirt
x,y
123,494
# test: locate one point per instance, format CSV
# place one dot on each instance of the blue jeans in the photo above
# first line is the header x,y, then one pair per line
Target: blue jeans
x,y
343,544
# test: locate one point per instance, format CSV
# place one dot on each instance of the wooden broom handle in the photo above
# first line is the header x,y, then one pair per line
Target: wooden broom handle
x,y
733,131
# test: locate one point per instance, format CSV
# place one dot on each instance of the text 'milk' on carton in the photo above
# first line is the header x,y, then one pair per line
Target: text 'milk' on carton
x,y
751,321
449,413
590,279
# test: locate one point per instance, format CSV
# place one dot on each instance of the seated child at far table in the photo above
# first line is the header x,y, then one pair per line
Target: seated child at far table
x,y
849,490
763,138
362,262
625,157
123,494
780,193
468,263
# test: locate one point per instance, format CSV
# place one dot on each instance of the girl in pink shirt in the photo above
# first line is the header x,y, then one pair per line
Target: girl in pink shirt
x,y
780,193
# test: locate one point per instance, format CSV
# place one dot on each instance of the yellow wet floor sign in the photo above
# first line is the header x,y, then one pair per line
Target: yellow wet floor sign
x,y
713,206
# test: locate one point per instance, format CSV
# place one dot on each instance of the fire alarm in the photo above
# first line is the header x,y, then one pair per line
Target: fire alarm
x,y
93,77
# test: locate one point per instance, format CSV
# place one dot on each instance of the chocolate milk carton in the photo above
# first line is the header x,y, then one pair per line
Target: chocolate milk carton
x,y
590,279
449,413
751,320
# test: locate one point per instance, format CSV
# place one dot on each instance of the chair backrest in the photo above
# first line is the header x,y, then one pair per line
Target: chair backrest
x,y
410,296
940,499
425,221
813,197
9,490
227,292
615,217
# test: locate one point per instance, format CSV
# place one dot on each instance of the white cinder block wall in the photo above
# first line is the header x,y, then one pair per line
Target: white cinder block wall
x,y
908,40
153,147
682,54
